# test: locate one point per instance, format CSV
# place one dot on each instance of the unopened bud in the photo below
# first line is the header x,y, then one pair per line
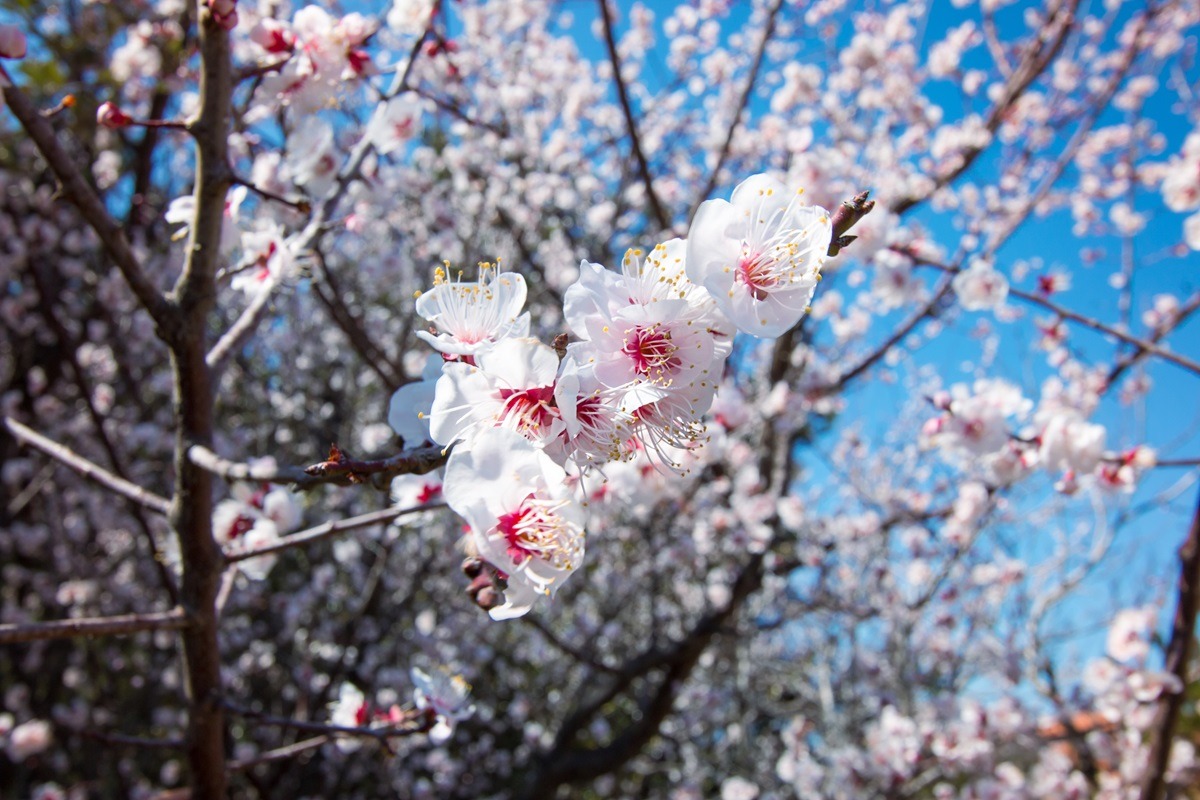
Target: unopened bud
x,y
109,116
224,13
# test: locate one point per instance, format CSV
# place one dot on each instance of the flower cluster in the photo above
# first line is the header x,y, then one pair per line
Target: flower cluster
x,y
256,516
442,697
649,344
975,424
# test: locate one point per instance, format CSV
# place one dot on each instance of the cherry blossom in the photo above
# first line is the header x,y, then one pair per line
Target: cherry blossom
x,y
444,694
760,254
523,518
471,315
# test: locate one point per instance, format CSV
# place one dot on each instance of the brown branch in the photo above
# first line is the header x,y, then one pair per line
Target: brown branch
x,y
1037,58
845,217
929,310
194,297
1178,658
327,529
656,208
93,472
414,461
279,753
1177,462
564,763
79,192
339,467
743,101
419,722
172,620
1129,359
1142,345
241,329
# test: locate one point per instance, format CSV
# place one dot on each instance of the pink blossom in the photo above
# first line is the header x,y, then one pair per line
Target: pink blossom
x,y
12,42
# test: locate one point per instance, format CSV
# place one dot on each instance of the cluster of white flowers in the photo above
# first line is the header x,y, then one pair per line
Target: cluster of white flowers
x,y
978,424
255,516
443,696
1181,187
649,345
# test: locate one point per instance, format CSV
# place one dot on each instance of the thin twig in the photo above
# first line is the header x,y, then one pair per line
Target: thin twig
x,y
242,328
414,461
1143,345
420,722
327,529
1188,308
313,230
172,620
279,753
656,208
76,189
93,472
743,101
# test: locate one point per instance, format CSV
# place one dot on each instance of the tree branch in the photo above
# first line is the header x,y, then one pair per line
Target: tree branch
x,y
93,472
79,192
241,329
172,620
656,208
1143,345
1178,659
414,461
743,101
327,529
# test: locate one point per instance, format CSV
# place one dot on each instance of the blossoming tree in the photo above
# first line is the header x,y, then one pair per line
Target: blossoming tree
x,y
761,399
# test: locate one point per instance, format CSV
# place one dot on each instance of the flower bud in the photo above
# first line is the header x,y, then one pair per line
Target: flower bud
x,y
109,116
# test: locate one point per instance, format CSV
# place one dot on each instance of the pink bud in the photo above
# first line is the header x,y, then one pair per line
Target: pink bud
x,y
941,400
226,21
109,116
12,42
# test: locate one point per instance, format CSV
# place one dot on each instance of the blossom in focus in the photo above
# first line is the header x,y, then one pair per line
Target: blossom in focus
x,y
446,695
512,386
759,255
471,316
523,518
653,348
408,410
